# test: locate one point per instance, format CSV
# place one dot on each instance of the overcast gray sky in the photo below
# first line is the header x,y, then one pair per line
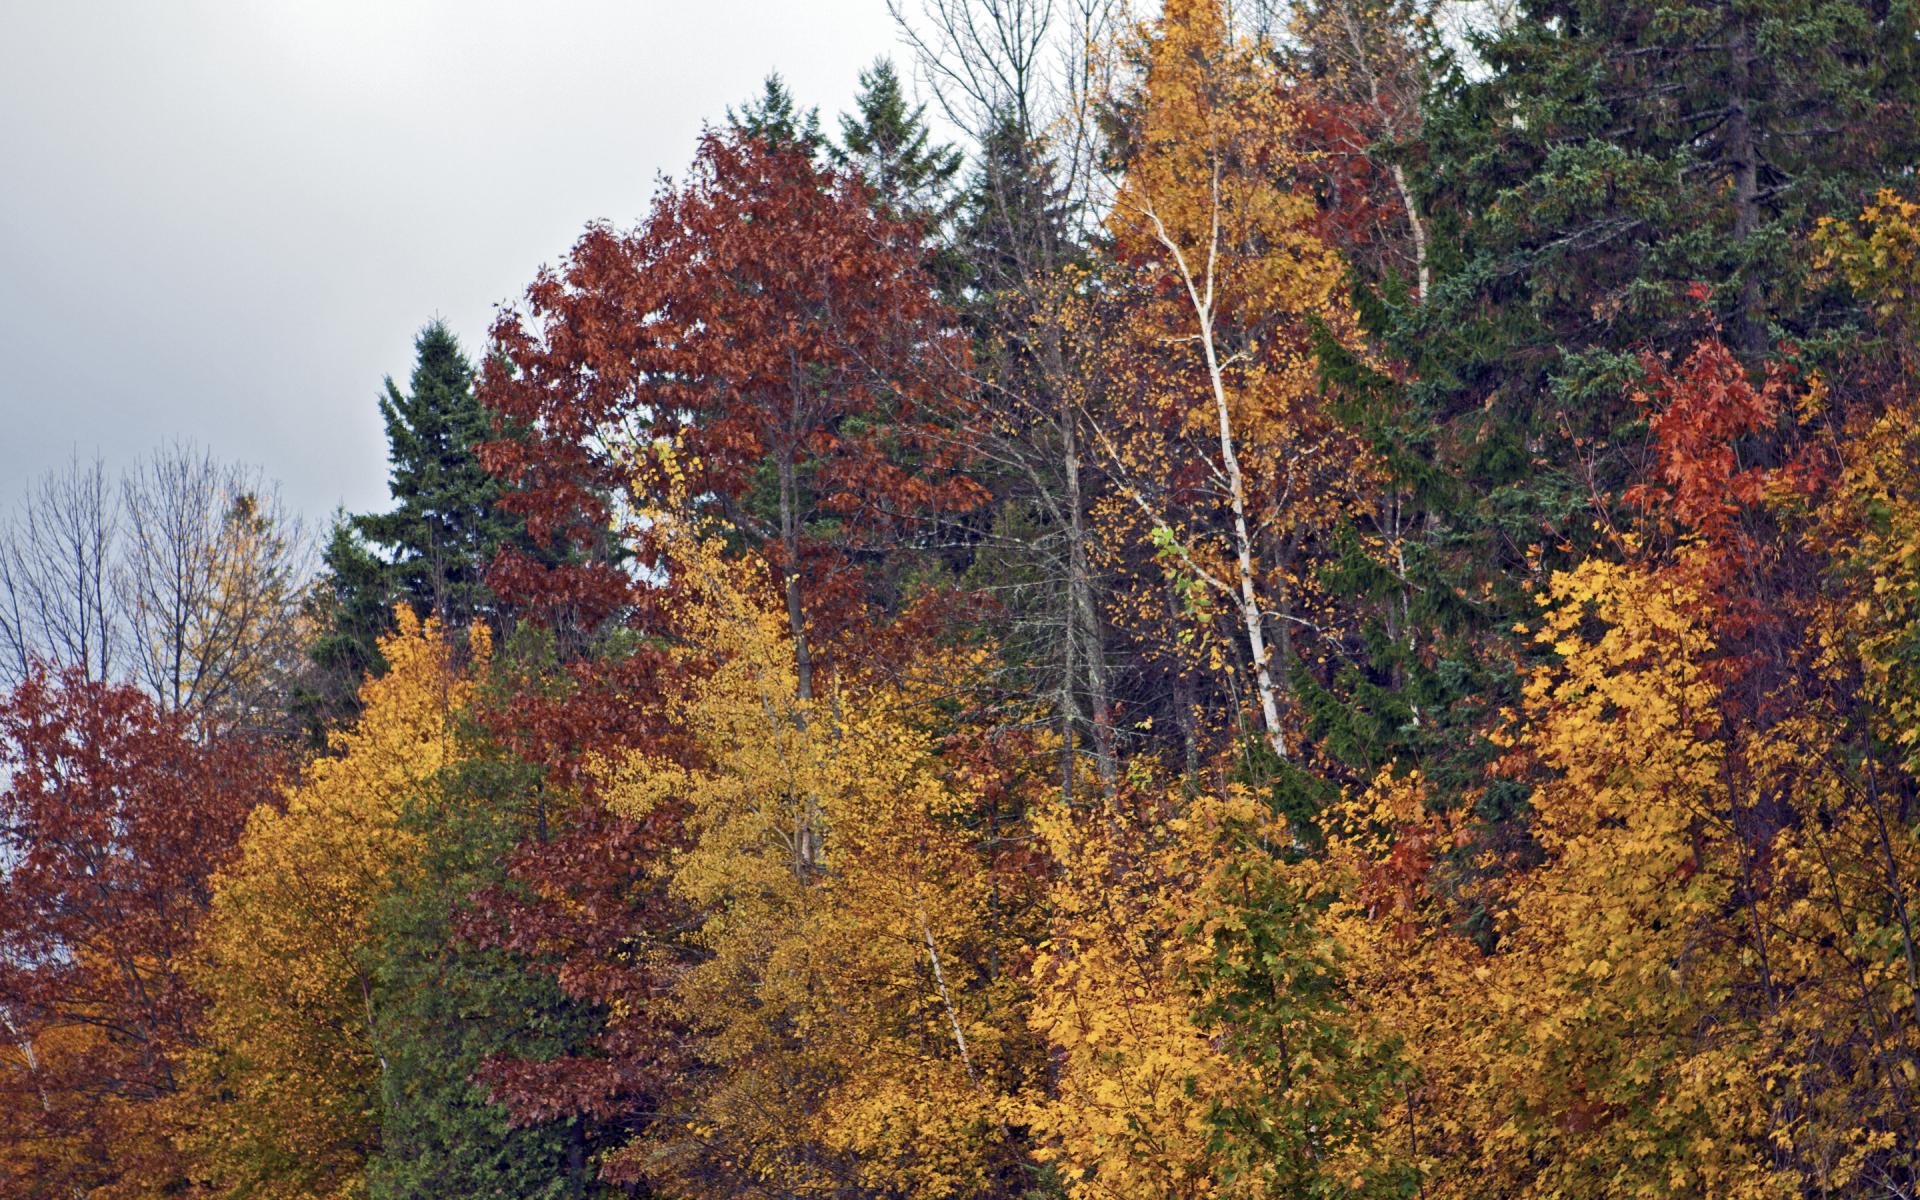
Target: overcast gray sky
x,y
225,220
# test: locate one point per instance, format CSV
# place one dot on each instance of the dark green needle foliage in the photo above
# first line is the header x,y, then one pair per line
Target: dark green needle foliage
x,y
446,1006
432,550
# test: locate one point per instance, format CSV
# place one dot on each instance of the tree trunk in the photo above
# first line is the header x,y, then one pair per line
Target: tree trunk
x,y
1083,617
1744,156
1250,615
790,543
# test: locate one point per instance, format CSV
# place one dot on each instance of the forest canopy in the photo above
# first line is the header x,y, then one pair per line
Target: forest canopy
x,y
1237,600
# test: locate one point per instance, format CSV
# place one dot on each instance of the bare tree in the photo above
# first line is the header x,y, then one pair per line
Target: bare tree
x,y
57,601
1035,66
209,582
184,579
1023,80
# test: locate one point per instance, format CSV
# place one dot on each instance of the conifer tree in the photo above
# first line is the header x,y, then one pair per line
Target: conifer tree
x,y
1627,174
444,529
431,551
1014,218
351,606
890,144
775,119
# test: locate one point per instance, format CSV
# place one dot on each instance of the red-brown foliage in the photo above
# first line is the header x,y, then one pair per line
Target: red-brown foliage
x,y
113,817
776,327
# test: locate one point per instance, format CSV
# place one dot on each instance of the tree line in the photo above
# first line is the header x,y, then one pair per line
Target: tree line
x,y
1327,606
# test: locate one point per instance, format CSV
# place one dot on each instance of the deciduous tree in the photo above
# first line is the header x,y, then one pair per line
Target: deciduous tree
x,y
286,1091
113,816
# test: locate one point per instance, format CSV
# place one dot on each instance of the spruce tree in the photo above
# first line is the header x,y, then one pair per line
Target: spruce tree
x,y
1614,178
1014,220
445,1007
1627,174
431,551
352,606
444,529
890,144
773,117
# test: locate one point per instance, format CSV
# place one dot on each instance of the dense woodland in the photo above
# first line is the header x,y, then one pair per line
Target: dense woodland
x,y
1326,604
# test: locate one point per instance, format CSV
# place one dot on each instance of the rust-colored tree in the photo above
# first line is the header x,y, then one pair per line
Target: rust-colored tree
x,y
784,335
112,818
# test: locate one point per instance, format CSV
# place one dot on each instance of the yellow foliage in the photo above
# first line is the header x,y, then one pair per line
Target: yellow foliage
x,y
1617,955
1226,464
853,1031
1193,1004
1878,255
1696,987
1126,1115
285,1093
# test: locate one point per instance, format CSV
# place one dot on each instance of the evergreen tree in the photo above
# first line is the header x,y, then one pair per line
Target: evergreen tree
x,y
892,147
1619,179
1628,173
431,551
352,607
444,529
1015,216
773,118
445,1007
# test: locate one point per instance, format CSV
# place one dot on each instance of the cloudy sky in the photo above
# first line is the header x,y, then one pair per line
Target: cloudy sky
x,y
225,221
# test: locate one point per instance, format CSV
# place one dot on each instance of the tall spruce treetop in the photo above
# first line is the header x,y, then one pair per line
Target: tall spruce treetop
x,y
773,117
431,552
444,529
890,144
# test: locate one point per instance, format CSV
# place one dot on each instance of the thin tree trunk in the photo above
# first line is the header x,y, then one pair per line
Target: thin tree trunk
x,y
1083,618
806,833
790,542
946,999
1421,274
1250,614
1201,295
1745,158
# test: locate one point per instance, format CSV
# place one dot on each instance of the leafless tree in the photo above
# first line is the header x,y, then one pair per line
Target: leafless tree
x,y
57,600
1023,80
209,581
185,579
1035,66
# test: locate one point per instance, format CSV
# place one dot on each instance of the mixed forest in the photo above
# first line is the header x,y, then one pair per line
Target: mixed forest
x,y
1312,601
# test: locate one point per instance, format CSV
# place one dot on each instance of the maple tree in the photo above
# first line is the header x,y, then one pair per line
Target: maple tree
x,y
782,332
